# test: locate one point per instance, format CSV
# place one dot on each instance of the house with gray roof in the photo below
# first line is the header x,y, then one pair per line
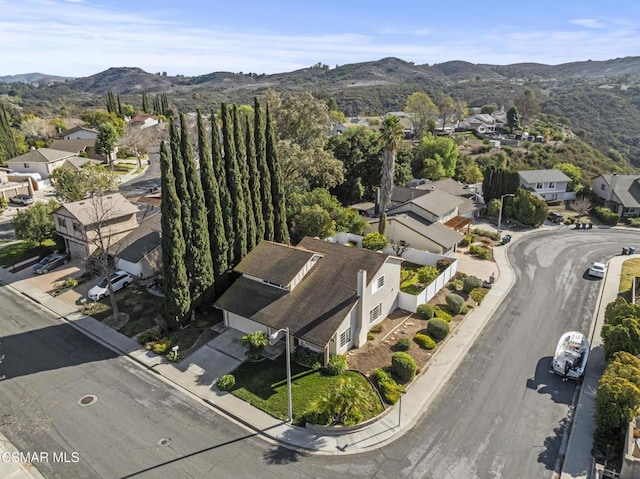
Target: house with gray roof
x,y
619,193
328,295
99,221
80,133
41,161
139,253
550,185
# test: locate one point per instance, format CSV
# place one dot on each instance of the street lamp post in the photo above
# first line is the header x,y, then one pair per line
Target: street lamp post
x,y
500,214
273,338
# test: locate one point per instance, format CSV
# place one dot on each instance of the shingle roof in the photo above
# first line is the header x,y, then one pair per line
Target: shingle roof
x,y
98,209
77,162
627,189
318,304
78,128
436,232
543,176
140,242
43,155
437,202
272,262
75,146
402,194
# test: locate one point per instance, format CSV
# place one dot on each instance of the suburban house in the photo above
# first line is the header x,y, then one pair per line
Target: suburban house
x,y
139,253
619,193
82,223
142,121
328,295
79,147
80,133
43,161
406,121
9,187
550,185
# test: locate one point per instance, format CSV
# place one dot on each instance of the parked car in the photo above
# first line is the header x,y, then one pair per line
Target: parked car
x,y
118,280
555,217
50,262
598,270
23,200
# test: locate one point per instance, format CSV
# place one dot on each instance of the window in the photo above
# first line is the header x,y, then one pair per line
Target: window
x,y
378,284
603,187
62,222
375,313
345,337
552,185
77,227
26,165
539,186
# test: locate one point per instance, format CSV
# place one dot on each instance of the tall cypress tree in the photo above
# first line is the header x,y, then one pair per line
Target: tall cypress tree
x,y
243,168
177,300
217,237
198,257
280,231
226,202
234,183
263,169
145,102
254,181
8,146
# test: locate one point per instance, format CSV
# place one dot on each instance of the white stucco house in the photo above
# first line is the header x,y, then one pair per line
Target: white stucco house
x,y
42,161
550,185
328,295
79,133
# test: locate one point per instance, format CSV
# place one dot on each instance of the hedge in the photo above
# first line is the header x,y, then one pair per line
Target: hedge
x,y
403,366
424,341
389,389
605,215
454,303
438,329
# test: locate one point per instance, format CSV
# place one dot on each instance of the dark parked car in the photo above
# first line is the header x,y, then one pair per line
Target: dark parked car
x,y
50,262
555,217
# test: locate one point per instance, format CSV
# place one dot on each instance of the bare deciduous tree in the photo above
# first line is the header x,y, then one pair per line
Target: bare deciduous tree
x,y
581,206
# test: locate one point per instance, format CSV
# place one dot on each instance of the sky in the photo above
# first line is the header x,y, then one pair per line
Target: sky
x,y
78,38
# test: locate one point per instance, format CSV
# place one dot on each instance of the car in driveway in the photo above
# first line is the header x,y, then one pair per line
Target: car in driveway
x,y
118,280
598,270
555,217
23,200
50,262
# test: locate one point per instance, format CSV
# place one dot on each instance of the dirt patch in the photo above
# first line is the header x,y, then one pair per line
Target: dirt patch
x,y
400,324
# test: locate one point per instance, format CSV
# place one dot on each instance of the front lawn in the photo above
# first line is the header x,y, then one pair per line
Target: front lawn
x,y
17,252
630,269
264,385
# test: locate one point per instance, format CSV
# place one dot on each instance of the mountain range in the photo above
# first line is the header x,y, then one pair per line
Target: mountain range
x,y
598,99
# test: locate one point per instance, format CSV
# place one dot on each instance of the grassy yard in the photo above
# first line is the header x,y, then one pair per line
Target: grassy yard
x,y
17,252
410,282
630,269
264,385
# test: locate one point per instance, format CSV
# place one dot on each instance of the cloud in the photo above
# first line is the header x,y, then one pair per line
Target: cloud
x,y
587,22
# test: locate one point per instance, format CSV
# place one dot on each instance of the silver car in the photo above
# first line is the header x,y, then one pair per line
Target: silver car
x,y
23,200
50,262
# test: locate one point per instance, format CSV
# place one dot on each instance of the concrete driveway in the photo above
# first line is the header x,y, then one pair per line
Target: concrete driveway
x,y
218,357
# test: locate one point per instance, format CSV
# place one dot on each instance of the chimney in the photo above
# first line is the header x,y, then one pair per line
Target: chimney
x,y
614,183
362,322
362,282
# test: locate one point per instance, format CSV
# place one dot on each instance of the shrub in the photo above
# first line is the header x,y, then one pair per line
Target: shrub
x,y
427,274
149,335
494,235
226,382
443,264
424,341
403,366
175,356
370,336
307,358
634,222
605,215
71,283
374,241
478,294
467,240
460,275
389,389
376,328
473,249
454,303
438,329
480,251
161,346
425,311
470,283
464,309
403,344
337,364
256,341
441,314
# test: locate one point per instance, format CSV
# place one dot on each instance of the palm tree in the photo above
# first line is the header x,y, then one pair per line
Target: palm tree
x,y
343,404
391,136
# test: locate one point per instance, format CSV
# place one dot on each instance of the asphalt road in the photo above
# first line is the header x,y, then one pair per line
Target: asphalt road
x,y
151,176
502,416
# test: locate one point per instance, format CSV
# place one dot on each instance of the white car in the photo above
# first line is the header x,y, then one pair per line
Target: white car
x,y
598,270
119,280
23,200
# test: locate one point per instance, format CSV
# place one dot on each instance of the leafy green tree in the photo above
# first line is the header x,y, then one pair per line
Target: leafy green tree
x,y
311,220
107,140
212,200
527,105
35,224
198,256
572,171
92,180
254,182
374,241
177,299
447,108
226,202
263,169
234,183
243,169
442,153
488,109
529,209
621,330
344,404
391,136
97,118
513,119
280,233
422,108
